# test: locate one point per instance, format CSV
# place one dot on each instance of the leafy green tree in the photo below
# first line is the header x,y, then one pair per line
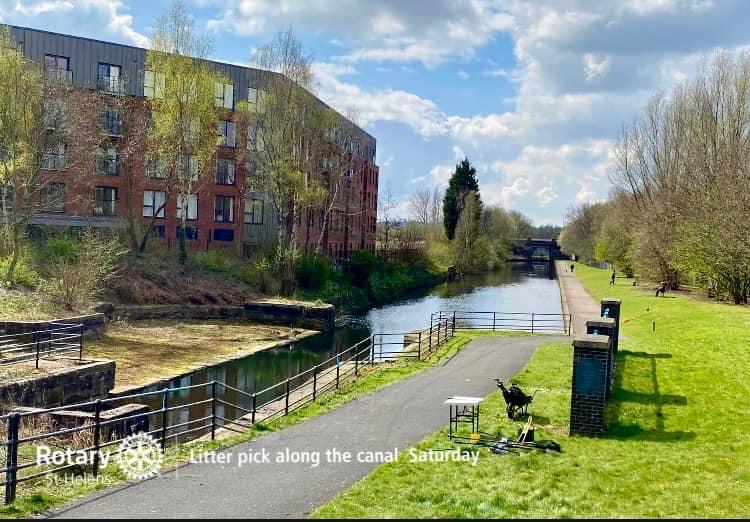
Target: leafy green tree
x,y
182,138
44,130
463,182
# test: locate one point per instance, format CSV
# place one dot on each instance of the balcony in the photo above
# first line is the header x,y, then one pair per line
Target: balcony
x,y
107,166
112,85
61,76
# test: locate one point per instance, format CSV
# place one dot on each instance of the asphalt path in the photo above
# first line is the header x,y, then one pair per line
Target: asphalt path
x,y
395,417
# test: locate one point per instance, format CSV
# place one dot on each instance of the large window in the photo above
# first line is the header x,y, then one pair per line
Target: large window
x,y
54,158
254,211
225,169
105,201
187,203
154,202
153,84
256,99
227,132
111,122
52,197
224,209
224,95
189,167
106,161
58,68
109,79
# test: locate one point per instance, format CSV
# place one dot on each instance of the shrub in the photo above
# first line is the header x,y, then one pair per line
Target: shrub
x,y
24,275
313,272
214,261
361,266
61,247
77,280
385,285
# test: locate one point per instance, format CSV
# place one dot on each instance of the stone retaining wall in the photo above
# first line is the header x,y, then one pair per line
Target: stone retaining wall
x,y
80,382
93,324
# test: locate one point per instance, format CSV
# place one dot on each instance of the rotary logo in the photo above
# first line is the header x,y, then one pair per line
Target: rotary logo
x,y
140,456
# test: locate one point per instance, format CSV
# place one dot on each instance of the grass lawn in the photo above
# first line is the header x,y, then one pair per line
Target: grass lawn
x,y
677,443
149,351
52,492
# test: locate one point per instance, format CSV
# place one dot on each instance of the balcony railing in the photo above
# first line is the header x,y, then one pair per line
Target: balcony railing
x,y
62,76
112,84
107,166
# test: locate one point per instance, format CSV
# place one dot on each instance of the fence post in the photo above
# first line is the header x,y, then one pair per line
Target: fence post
x,y
255,403
11,459
419,346
372,349
532,322
356,364
97,434
164,407
286,400
493,320
213,410
338,372
80,342
36,338
315,381
453,329
430,343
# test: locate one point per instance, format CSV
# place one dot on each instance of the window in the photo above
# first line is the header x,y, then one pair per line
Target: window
x,y
158,231
224,95
53,197
254,211
225,171
224,209
190,129
223,234
192,206
7,196
255,139
106,161
105,201
109,79
188,167
154,202
155,170
191,233
256,99
153,84
227,131
54,158
110,122
58,68
53,114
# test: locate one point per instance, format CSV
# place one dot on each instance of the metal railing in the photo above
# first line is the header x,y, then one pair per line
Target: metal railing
x,y
219,406
509,321
58,339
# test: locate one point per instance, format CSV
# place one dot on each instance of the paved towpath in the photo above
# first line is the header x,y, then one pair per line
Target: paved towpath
x,y
576,299
394,417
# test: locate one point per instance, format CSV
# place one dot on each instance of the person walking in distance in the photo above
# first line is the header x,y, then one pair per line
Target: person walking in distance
x,y
612,278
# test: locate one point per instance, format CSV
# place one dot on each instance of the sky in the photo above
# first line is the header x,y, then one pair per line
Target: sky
x,y
534,93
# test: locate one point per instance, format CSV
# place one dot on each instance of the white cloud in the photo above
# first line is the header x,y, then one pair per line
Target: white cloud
x,y
463,74
105,19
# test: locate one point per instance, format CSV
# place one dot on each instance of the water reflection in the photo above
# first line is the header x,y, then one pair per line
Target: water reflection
x,y
520,288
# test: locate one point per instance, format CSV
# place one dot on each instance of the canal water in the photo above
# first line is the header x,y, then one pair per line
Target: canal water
x,y
516,288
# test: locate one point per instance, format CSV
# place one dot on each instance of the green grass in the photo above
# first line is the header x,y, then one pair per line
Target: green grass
x,y
46,494
677,442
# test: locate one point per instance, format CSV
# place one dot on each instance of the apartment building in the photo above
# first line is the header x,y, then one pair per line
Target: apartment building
x,y
220,214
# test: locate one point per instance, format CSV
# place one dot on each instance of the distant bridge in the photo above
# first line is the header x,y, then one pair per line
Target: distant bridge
x,y
530,250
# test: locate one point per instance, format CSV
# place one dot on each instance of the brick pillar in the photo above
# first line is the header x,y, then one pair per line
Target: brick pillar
x,y
611,308
605,326
589,391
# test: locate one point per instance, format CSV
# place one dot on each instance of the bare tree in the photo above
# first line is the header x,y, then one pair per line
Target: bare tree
x,y
420,205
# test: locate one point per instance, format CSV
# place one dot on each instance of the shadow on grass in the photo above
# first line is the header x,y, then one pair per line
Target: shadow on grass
x,y
616,429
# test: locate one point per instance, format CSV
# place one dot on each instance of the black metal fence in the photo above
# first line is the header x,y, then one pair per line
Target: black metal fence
x,y
94,429
508,321
97,428
56,340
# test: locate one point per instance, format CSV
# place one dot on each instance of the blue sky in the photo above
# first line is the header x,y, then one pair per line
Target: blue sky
x,y
533,92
